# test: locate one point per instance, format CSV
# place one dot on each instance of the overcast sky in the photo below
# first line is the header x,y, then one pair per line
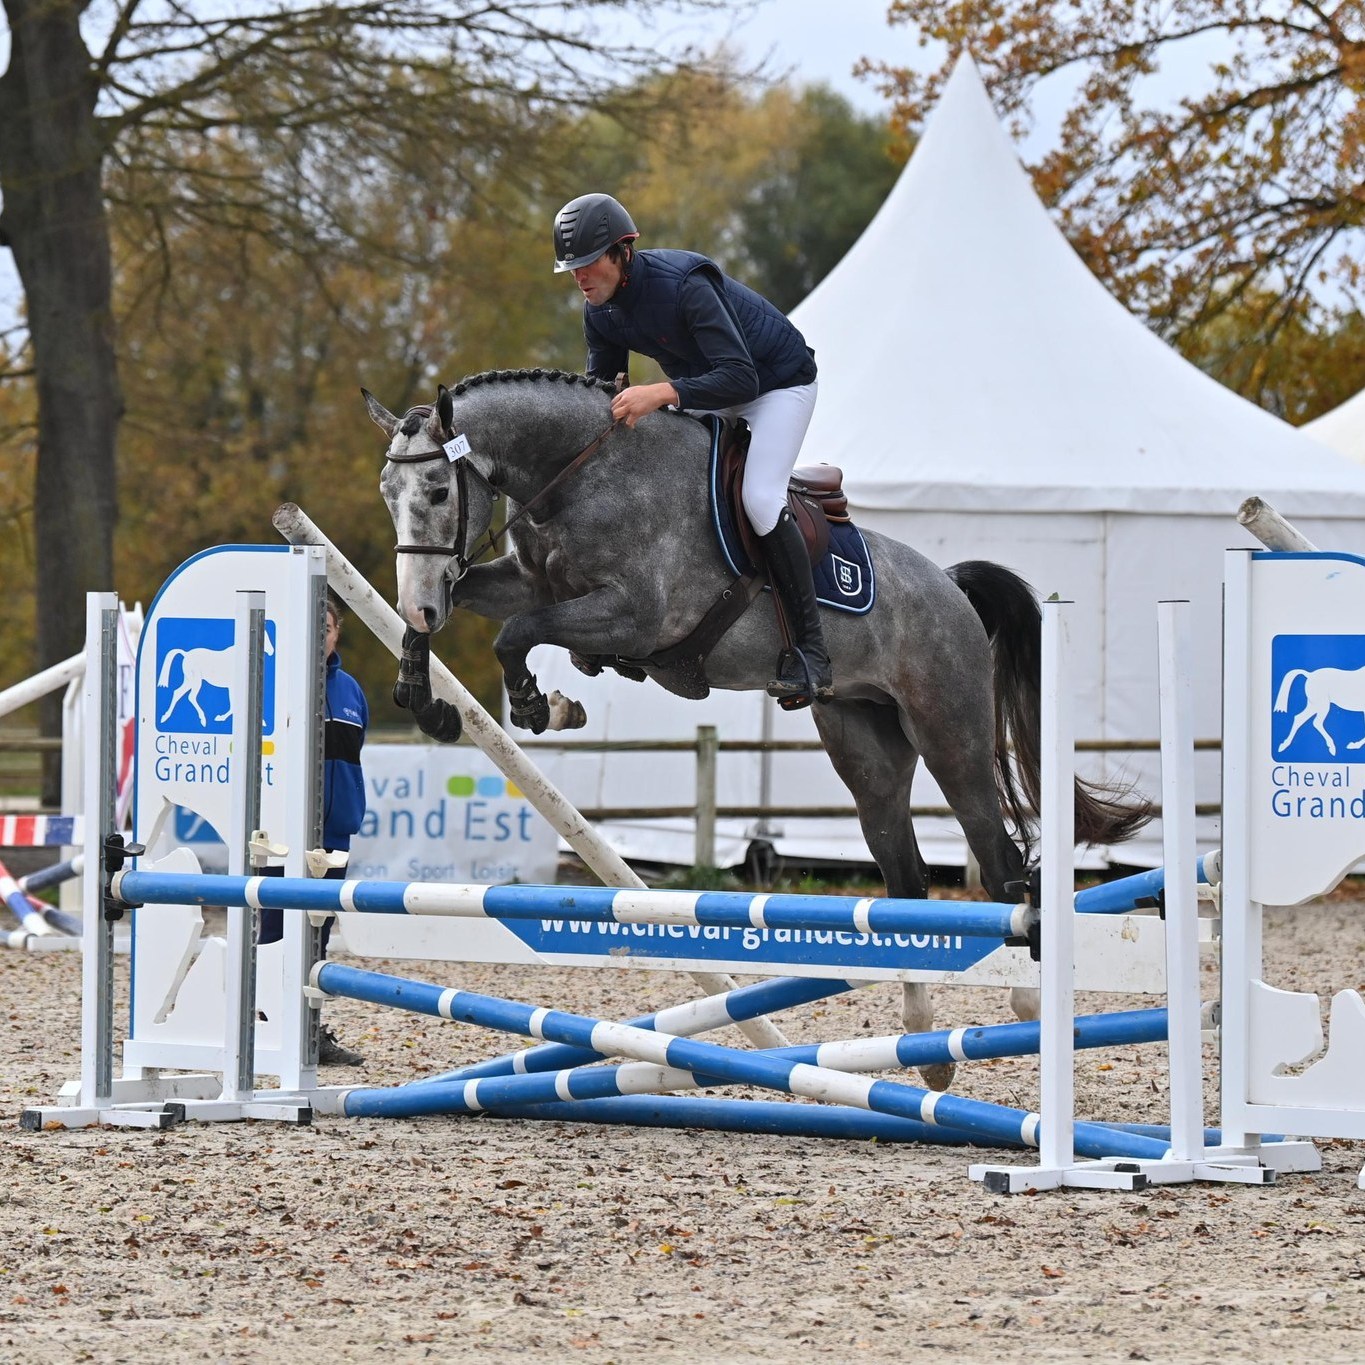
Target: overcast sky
x,y
821,41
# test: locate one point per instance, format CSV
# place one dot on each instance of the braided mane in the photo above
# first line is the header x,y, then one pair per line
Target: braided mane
x,y
475,381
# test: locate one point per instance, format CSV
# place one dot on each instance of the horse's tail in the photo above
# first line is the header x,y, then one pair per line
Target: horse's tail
x,y
1008,608
165,678
1282,696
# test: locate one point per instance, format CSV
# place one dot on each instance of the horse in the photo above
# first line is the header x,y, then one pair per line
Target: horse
x,y
611,554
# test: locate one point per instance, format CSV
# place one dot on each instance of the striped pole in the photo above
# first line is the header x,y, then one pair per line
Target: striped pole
x,y
780,1117
980,1120
591,904
40,831
55,875
682,1021
29,913
976,1044
1124,893
857,1055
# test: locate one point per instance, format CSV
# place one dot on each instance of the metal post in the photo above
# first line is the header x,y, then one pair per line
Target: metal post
x,y
707,751
239,1062
97,976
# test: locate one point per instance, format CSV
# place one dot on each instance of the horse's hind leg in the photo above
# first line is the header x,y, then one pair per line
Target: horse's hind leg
x,y
963,765
876,761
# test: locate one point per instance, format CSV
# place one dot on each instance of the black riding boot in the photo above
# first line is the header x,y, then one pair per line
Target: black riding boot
x,y
803,672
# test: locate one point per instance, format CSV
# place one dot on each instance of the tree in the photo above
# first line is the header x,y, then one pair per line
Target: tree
x,y
1244,194
813,199
444,89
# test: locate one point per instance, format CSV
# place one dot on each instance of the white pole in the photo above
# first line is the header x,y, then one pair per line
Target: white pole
x,y
1057,848
1184,1041
40,684
1270,528
296,527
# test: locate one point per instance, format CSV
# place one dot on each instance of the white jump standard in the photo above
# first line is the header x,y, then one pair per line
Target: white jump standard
x,y
264,1013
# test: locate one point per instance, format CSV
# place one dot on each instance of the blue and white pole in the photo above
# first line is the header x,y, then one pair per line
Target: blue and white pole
x,y
593,904
1124,893
54,875
35,919
860,1055
984,1122
976,1044
682,1021
782,1118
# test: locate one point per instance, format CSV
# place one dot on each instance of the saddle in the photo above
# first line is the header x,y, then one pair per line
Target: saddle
x,y
815,495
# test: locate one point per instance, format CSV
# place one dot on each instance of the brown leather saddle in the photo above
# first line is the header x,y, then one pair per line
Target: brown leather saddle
x,y
815,496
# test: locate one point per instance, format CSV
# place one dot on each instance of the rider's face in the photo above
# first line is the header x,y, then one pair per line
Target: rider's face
x,y
600,280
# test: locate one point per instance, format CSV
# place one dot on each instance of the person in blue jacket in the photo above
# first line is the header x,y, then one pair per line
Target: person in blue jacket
x,y
725,349
346,720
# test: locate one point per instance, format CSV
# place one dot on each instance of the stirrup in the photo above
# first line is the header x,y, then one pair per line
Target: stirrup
x,y
794,693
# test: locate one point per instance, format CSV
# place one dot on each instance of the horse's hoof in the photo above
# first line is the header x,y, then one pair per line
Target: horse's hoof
x,y
566,714
585,664
939,1076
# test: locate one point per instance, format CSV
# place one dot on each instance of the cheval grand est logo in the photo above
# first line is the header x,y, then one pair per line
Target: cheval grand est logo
x,y
1317,728
1318,687
195,666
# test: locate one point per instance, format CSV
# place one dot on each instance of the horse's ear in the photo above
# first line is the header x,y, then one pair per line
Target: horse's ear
x,y
380,415
445,410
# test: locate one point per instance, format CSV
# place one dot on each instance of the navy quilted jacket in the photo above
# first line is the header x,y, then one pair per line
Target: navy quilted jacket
x,y
716,339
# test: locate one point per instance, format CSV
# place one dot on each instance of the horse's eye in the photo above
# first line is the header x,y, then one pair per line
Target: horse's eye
x,y
438,495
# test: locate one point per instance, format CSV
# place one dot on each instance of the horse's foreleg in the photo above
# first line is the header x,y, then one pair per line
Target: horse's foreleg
x,y
600,622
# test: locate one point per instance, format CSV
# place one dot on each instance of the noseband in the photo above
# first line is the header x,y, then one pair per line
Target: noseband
x,y
463,464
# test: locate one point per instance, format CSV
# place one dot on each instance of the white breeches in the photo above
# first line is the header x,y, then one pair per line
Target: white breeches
x,y
778,421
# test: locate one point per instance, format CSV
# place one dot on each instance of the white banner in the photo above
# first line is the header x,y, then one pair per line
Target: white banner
x,y
444,813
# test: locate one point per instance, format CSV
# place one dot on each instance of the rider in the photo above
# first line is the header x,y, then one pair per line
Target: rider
x,y
725,349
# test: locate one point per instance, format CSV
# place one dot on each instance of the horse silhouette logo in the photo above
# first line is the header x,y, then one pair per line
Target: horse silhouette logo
x,y
194,670
1332,671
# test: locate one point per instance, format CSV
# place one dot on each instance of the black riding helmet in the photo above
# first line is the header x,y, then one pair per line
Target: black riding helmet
x,y
588,227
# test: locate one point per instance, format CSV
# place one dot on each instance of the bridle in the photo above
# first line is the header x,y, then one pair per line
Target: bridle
x,y
460,551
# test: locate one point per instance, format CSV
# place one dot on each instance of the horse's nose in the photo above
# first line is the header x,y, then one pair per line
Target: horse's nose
x,y
429,616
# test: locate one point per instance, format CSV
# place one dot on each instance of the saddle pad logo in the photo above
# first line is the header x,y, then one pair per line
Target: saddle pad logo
x,y
1317,683
194,676
848,577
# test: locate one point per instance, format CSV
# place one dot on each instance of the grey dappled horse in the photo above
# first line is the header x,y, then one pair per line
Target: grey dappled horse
x,y
620,561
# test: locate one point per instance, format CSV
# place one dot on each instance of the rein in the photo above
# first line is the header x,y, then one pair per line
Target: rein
x,y
462,556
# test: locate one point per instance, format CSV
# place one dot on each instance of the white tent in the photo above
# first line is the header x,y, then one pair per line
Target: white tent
x,y
987,398
1342,429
